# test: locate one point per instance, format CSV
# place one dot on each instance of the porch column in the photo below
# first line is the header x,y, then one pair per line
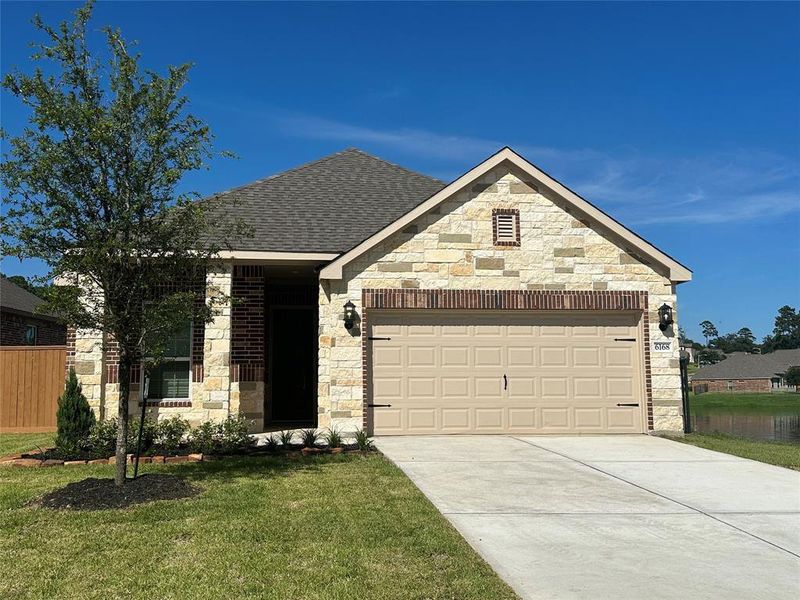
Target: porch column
x,y
216,388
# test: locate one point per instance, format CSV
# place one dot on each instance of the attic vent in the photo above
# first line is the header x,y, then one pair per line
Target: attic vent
x,y
505,223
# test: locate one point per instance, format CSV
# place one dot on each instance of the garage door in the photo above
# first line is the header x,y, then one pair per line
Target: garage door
x,y
498,372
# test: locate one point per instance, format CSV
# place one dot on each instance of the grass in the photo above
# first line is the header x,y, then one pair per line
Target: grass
x,y
775,453
743,402
329,527
13,443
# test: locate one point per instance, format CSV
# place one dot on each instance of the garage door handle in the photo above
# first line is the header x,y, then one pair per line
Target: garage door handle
x,y
505,382
624,339
628,404
378,405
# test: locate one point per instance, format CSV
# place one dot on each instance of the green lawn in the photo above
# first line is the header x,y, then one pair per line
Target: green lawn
x,y
774,453
346,526
744,402
12,443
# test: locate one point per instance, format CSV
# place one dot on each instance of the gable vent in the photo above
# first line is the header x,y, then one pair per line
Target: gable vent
x,y
505,223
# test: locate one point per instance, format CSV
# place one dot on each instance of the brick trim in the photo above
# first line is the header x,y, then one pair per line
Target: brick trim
x,y
170,403
545,300
505,211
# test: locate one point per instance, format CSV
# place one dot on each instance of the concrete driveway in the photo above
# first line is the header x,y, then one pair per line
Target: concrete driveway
x,y
614,517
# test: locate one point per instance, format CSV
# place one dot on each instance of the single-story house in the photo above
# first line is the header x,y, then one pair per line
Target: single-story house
x,y
375,297
742,372
21,324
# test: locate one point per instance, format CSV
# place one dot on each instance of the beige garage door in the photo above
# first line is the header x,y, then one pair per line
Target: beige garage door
x,y
457,372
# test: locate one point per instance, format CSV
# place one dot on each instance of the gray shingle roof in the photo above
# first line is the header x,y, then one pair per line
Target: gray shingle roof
x,y
329,205
750,366
13,297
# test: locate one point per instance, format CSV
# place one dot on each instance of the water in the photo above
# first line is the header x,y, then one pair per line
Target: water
x,y
782,427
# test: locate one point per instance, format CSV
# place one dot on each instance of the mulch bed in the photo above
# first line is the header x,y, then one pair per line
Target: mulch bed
x,y
102,494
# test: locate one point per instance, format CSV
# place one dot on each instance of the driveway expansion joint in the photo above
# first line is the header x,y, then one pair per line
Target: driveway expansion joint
x,y
636,485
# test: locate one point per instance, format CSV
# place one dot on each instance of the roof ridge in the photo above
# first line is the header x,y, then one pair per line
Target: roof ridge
x,y
395,165
349,149
276,175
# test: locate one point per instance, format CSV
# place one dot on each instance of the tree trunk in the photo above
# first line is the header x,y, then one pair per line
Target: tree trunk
x,y
124,379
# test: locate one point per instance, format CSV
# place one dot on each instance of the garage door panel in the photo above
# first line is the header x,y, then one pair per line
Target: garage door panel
x,y
565,372
455,419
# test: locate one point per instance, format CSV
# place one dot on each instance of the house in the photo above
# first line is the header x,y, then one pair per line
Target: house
x,y
742,372
372,296
21,324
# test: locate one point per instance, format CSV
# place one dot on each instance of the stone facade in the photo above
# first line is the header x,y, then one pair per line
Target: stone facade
x,y
452,248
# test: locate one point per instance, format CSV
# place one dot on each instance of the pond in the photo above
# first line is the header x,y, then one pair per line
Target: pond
x,y
779,422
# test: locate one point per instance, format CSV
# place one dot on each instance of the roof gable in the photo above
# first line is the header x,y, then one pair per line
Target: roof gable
x,y
576,205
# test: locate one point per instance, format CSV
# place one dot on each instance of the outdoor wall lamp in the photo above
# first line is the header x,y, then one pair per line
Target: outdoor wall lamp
x,y
349,315
665,317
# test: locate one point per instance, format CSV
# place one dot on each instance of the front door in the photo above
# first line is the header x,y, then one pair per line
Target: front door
x,y
293,335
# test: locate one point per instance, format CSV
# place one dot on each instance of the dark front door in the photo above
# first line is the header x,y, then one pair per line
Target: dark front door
x,y
293,358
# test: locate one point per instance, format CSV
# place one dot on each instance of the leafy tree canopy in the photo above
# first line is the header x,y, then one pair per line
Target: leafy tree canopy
x,y
91,189
786,334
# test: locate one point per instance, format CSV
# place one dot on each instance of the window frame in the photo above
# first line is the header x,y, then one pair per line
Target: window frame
x,y
31,327
514,213
145,387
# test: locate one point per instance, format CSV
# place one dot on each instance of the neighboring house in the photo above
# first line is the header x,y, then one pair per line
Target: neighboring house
x,y
742,372
21,325
501,302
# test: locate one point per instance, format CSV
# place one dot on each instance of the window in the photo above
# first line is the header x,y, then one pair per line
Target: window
x,y
31,333
171,378
505,225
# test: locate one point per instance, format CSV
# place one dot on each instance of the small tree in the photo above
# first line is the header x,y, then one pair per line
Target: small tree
x,y
74,417
709,330
793,377
91,190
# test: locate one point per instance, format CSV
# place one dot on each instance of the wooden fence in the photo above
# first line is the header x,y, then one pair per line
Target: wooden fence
x,y
31,380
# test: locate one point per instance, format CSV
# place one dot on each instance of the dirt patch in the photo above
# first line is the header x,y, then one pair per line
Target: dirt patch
x,y
102,494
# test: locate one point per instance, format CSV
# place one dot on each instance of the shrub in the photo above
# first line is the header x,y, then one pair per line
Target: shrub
x,y
286,438
234,435
309,437
149,433
204,437
333,438
102,439
271,445
228,437
169,434
74,417
362,441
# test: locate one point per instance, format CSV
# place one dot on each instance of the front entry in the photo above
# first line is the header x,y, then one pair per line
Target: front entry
x,y
293,364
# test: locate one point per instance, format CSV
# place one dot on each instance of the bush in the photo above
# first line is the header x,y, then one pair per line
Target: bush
x,y
309,437
149,432
362,441
235,436
333,438
74,418
169,434
228,437
203,437
271,444
102,438
286,438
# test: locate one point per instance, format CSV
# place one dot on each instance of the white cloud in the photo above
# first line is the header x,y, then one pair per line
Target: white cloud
x,y
727,187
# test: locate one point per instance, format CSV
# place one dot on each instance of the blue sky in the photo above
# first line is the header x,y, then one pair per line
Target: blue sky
x,y
681,120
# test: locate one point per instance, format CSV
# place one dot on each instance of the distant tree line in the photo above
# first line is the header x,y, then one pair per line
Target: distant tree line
x,y
785,335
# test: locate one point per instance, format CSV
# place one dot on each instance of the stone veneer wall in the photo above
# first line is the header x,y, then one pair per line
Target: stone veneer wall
x,y
213,395
452,248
